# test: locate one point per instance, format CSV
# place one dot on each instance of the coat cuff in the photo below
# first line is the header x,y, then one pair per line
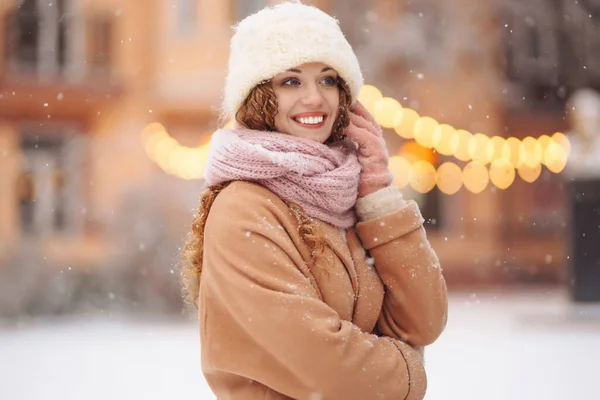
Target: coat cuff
x,y
382,202
384,229
417,377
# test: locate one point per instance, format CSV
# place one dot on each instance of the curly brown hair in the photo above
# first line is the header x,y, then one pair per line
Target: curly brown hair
x,y
260,108
258,112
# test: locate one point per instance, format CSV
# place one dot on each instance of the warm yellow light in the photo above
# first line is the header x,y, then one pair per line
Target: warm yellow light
x,y
462,148
202,158
555,157
544,141
151,129
176,161
423,177
449,178
530,152
163,149
153,140
510,151
368,96
386,111
405,122
198,161
190,165
445,140
496,148
502,173
528,173
480,148
563,141
400,167
475,177
526,156
414,152
424,129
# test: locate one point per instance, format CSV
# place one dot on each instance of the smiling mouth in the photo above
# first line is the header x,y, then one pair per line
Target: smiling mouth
x,y
316,121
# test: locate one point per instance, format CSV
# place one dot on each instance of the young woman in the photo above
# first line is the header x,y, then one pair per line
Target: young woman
x,y
313,277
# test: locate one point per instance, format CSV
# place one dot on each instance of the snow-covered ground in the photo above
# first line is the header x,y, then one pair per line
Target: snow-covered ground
x,y
500,345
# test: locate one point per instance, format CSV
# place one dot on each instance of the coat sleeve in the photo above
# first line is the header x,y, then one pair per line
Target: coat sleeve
x,y
415,306
262,317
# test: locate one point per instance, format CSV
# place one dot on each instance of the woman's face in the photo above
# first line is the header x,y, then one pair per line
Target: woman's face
x,y
308,99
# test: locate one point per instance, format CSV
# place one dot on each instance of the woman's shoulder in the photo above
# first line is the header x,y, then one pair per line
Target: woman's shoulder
x,y
245,193
244,201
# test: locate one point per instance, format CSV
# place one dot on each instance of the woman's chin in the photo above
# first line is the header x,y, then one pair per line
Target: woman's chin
x,y
319,135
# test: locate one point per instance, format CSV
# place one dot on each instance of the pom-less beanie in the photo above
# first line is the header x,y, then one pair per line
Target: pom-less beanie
x,y
281,37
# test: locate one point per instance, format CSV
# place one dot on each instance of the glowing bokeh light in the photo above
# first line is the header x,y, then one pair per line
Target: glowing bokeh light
x,y
404,123
480,148
449,178
462,148
475,177
502,173
510,151
528,173
386,111
496,147
368,96
401,169
530,152
445,140
423,177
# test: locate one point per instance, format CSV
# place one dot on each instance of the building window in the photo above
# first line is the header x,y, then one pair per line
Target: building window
x,y
551,50
63,30
41,186
100,44
26,35
38,36
49,184
243,8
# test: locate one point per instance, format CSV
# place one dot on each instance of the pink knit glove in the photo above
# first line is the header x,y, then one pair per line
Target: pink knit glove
x,y
372,151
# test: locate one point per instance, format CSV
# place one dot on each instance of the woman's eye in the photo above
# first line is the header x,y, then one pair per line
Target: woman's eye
x,y
330,80
291,82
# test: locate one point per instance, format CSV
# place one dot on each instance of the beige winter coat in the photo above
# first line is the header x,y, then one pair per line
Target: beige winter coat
x,y
275,327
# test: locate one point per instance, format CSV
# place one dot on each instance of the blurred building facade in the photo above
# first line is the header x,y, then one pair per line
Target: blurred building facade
x,y
80,79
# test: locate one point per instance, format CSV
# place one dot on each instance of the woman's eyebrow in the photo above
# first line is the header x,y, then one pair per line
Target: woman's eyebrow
x,y
296,70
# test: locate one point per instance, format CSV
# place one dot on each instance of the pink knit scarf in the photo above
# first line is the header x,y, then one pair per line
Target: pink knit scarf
x,y
321,178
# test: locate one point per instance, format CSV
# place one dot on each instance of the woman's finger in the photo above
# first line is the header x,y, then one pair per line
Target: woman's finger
x,y
362,137
363,123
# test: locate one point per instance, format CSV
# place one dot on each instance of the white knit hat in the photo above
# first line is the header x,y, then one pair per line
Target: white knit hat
x,y
281,37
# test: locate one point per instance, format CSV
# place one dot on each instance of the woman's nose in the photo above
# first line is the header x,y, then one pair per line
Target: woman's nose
x,y
312,96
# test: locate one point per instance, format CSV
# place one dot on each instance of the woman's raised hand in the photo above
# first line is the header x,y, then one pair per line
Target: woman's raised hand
x,y
372,150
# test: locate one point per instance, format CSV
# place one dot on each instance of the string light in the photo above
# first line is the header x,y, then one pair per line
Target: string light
x,y
424,130
368,96
480,148
502,173
405,123
415,164
173,158
445,140
423,177
449,178
528,173
386,111
402,171
464,139
475,177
